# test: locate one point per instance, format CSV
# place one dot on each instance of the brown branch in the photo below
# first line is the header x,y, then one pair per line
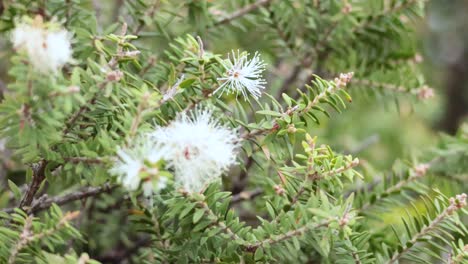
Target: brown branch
x,y
243,11
288,235
37,179
44,202
246,196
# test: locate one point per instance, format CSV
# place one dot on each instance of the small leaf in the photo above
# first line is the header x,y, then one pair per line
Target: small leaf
x,y
187,83
269,113
186,210
259,253
287,99
198,215
16,191
319,212
270,210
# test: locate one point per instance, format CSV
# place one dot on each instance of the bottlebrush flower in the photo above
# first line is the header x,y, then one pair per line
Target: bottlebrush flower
x,y
133,161
243,75
198,148
47,46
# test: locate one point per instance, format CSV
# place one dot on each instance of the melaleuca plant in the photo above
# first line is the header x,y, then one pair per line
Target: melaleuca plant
x,y
186,132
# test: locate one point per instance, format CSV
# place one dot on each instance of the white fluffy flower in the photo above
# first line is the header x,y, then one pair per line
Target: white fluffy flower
x,y
132,161
149,187
48,50
243,75
198,148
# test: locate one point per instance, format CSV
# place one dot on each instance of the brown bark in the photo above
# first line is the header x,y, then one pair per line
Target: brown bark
x,y
38,178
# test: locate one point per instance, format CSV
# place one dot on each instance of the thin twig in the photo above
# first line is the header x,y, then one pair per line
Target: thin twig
x,y
44,202
292,233
415,175
246,195
386,86
366,143
86,160
243,11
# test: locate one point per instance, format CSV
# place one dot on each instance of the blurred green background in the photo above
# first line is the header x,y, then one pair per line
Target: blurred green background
x,y
405,128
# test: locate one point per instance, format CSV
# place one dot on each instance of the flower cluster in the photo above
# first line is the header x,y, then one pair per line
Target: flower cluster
x,y
194,145
457,203
243,75
421,169
198,148
136,161
343,79
425,92
47,46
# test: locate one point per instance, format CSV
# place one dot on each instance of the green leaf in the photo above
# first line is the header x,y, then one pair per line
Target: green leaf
x,y
269,113
187,83
16,191
319,212
198,215
186,210
259,254
287,99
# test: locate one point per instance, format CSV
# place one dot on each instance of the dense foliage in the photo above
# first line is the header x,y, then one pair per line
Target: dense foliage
x,y
160,139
